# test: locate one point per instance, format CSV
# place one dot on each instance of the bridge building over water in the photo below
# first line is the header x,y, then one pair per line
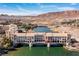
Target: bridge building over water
x,y
31,38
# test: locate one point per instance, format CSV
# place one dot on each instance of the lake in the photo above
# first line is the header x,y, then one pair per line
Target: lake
x,y
42,51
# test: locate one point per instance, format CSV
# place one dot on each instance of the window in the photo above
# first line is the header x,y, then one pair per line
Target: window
x,y
35,40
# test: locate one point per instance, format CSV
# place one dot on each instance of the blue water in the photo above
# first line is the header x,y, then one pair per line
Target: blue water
x,y
41,29
42,51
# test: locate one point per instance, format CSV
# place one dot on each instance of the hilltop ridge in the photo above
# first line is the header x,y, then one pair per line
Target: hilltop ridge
x,y
49,17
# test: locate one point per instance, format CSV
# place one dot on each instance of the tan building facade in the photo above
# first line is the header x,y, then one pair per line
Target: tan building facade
x,y
38,37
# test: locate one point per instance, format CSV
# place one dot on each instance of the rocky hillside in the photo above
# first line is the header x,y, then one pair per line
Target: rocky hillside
x,y
63,14
51,16
68,21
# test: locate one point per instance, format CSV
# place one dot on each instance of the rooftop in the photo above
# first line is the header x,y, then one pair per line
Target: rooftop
x,y
47,34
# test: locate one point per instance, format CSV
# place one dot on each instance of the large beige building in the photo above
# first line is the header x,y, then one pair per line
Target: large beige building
x,y
31,38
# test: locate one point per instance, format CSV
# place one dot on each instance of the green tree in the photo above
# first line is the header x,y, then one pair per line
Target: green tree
x,y
6,42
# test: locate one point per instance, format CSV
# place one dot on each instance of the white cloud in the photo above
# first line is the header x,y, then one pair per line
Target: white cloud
x,y
47,6
25,11
73,3
44,6
66,8
19,8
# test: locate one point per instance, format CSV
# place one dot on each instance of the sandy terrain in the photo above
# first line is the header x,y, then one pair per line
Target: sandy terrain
x,y
73,31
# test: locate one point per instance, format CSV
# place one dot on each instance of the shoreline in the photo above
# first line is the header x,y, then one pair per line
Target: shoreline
x,y
71,48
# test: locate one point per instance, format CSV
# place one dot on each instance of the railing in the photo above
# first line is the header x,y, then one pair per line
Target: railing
x,y
42,42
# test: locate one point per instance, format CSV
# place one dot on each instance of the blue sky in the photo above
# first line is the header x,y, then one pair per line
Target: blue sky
x,y
35,8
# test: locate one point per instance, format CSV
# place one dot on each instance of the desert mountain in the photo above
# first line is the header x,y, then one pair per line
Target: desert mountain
x,y
52,16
